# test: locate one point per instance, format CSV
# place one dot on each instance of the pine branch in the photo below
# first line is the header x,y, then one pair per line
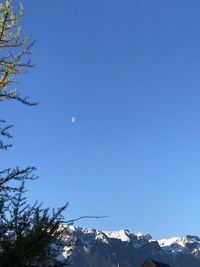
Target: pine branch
x,y
70,222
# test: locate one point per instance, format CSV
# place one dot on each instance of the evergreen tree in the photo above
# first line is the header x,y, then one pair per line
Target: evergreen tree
x,y
30,235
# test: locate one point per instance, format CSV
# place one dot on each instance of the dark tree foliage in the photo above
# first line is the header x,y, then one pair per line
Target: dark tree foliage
x,y
4,132
30,235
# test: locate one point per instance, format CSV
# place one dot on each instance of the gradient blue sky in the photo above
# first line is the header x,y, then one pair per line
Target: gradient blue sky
x,y
130,72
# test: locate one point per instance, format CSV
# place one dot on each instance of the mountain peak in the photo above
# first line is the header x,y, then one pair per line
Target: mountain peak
x,y
123,235
108,248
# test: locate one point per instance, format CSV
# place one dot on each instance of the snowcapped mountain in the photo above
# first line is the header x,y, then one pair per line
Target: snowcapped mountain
x,y
177,244
94,248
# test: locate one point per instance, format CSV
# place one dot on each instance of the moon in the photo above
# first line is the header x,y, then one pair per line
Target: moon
x,y
73,119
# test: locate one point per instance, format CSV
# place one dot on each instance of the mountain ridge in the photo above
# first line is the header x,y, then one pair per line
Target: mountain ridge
x,y
95,248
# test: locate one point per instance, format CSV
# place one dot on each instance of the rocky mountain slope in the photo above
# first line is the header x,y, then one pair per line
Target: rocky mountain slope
x,y
95,248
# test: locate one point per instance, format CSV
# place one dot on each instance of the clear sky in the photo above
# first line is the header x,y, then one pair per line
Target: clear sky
x,y
129,71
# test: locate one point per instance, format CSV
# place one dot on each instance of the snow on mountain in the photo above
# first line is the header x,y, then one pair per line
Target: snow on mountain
x,y
174,244
123,235
179,244
98,248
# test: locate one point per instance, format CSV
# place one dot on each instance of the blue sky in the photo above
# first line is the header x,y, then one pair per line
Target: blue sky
x,y
129,72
